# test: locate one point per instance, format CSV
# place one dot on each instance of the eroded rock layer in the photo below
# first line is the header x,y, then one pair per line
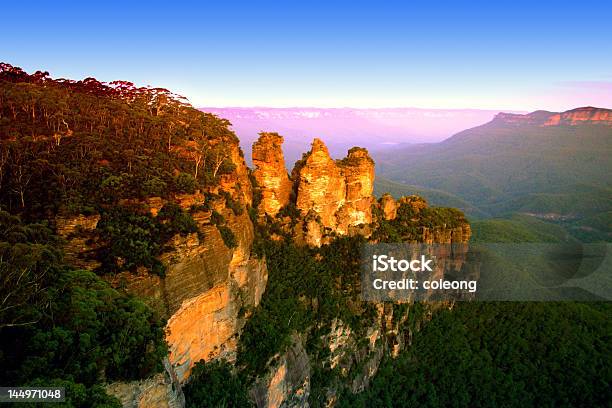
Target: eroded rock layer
x,y
358,171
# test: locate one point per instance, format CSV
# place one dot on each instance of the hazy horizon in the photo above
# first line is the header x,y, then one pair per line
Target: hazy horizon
x,y
343,128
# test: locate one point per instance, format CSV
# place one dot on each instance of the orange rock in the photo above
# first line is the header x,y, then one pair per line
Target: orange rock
x,y
388,206
270,173
321,184
338,192
358,170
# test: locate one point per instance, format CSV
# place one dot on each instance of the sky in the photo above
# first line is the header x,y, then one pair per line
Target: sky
x,y
507,55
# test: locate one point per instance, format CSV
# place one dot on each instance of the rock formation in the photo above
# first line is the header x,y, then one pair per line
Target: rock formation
x,y
333,197
388,207
321,185
270,173
358,170
207,285
581,115
160,391
287,384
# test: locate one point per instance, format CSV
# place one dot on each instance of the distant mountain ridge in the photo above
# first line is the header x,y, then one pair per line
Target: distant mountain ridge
x,y
551,165
573,117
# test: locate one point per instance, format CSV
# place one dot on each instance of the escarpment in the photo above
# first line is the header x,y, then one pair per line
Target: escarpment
x,y
211,283
207,284
587,115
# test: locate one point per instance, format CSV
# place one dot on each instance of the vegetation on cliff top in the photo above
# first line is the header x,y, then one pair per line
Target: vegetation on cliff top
x,y
69,146
87,147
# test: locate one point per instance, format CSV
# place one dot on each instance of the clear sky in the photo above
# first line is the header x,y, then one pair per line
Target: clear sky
x,y
519,55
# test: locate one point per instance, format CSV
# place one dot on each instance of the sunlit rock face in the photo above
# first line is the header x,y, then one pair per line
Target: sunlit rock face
x,y
333,197
338,193
358,171
270,173
206,286
236,182
321,185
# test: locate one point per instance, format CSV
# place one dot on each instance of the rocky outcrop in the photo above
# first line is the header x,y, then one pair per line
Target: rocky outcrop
x,y
388,207
209,289
574,117
270,173
333,197
287,384
320,185
358,171
162,390
206,290
580,116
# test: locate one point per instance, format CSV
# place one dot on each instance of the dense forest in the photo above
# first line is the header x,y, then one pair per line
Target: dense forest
x,y
83,147
80,331
501,354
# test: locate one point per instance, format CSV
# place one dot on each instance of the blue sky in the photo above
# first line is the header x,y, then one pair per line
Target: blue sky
x,y
496,54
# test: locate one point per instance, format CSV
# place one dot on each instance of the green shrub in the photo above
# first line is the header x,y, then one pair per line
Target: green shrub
x,y
132,240
176,221
232,204
229,238
216,218
215,385
154,187
185,183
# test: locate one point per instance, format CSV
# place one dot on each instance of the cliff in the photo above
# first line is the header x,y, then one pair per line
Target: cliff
x,y
207,286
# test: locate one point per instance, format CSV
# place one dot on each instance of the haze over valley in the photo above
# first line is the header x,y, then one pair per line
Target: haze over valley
x,y
343,128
